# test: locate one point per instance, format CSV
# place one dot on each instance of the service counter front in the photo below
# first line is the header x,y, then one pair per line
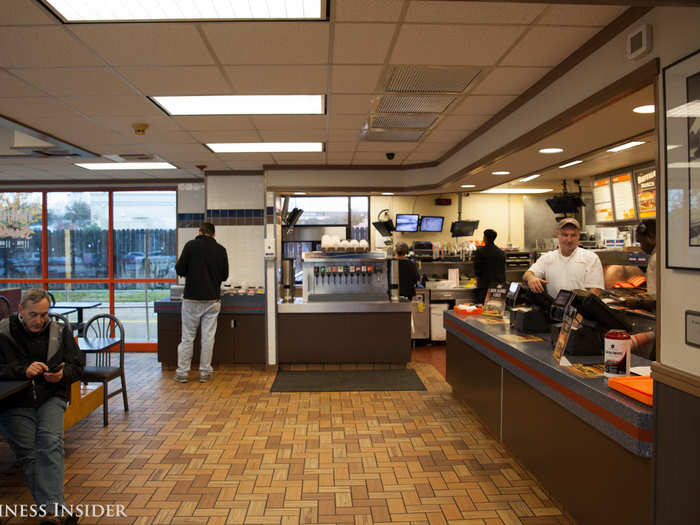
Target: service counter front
x,y
240,331
344,332
587,444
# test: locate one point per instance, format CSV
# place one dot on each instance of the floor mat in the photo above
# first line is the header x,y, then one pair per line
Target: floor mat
x,y
346,380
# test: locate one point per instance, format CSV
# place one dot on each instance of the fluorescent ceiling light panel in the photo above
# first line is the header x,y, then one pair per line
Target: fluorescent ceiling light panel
x,y
468,186
572,163
266,147
623,147
531,177
517,190
500,173
242,104
549,151
387,193
126,165
645,109
299,193
132,10
689,110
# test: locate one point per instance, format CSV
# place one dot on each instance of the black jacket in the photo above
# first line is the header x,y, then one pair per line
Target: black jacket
x,y
408,277
204,265
28,347
489,266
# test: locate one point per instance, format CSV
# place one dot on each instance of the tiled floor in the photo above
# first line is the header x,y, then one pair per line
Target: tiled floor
x,y
229,451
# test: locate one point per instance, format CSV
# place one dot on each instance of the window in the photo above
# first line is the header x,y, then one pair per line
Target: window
x,y
321,211
20,235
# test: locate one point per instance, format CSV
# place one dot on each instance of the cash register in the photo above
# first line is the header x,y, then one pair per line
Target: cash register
x,y
529,311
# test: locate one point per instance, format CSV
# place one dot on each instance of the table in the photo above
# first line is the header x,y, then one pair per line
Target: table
x,y
79,306
95,345
7,388
62,310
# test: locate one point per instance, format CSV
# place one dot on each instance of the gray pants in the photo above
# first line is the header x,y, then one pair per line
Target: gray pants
x,y
194,313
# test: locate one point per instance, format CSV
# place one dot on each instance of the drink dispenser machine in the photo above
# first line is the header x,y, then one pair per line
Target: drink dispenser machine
x,y
288,280
344,276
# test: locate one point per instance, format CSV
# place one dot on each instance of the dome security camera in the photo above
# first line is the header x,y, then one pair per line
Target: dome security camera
x,y
390,155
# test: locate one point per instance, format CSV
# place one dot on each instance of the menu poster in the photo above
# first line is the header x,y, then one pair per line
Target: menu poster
x,y
646,193
623,196
495,302
602,200
572,321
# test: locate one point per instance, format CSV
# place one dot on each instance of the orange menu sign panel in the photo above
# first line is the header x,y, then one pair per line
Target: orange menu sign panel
x,y
602,200
646,194
623,197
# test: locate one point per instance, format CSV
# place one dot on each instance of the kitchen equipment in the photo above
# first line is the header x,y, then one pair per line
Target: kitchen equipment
x,y
288,280
420,315
394,281
344,276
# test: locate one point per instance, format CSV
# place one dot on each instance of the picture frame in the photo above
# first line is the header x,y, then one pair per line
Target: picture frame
x,y
681,120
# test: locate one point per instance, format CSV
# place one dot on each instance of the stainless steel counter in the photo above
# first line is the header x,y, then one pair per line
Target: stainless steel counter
x,y
340,307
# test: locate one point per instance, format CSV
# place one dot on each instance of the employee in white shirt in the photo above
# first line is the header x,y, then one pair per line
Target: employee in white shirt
x,y
567,268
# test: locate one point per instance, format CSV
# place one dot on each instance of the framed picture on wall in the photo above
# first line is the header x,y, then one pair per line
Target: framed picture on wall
x,y
681,82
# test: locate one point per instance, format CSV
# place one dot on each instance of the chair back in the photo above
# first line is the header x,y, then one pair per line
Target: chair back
x,y
104,326
52,299
5,307
61,319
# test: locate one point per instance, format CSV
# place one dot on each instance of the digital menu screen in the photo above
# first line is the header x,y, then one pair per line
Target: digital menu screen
x,y
602,200
623,197
646,193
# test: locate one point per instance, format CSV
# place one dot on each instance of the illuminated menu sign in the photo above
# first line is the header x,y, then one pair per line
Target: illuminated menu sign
x,y
602,200
623,197
646,193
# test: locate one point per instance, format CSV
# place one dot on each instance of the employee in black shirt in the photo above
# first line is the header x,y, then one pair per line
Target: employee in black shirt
x,y
408,273
489,265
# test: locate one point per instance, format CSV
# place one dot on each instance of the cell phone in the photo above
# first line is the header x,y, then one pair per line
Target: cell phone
x,y
55,368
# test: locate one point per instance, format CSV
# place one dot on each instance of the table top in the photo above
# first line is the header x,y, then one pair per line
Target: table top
x,y
77,304
97,344
7,388
62,310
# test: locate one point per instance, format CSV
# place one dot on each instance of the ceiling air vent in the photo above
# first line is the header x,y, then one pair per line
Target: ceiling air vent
x,y
393,135
403,121
136,156
409,79
413,104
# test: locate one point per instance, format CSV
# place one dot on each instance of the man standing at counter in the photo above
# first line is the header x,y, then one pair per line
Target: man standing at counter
x,y
204,265
489,264
567,268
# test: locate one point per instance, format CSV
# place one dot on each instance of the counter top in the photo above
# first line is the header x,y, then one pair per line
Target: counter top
x,y
300,307
622,419
230,303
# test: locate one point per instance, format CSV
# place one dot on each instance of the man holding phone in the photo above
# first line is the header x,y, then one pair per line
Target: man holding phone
x,y
31,421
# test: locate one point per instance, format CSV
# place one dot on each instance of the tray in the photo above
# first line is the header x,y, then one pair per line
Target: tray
x,y
640,388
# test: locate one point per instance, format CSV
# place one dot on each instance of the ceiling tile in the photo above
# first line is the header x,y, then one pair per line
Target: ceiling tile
x,y
341,147
14,87
362,43
293,135
265,158
179,80
279,79
116,106
509,80
349,103
466,123
138,44
473,12
310,158
343,135
234,135
277,122
453,45
76,81
214,122
548,46
581,15
449,136
243,164
348,121
269,42
182,150
124,125
26,110
25,12
367,10
366,145
42,47
483,105
355,79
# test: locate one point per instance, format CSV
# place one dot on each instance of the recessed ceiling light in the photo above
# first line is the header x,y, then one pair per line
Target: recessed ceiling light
x,y
242,104
645,109
265,147
628,145
517,190
120,11
500,173
468,186
531,177
572,163
549,151
126,165
386,193
299,193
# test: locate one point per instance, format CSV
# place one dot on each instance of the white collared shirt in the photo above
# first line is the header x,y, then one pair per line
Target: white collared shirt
x,y
581,269
651,275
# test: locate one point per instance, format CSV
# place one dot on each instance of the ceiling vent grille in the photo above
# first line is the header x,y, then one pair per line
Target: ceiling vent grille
x,y
136,156
408,79
403,121
393,135
413,104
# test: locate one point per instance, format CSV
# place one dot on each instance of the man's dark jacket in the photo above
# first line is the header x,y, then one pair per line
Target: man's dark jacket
x,y
27,347
204,265
489,266
408,277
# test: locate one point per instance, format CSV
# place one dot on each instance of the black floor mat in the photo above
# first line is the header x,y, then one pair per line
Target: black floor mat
x,y
346,380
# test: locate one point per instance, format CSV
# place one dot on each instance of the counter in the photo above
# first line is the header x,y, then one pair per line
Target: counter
x,y
344,332
587,444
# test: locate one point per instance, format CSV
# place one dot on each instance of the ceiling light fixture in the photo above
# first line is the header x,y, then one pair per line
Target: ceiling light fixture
x,y
517,190
242,104
531,177
386,193
500,173
572,163
299,193
126,165
266,147
643,110
468,186
550,151
628,145
151,10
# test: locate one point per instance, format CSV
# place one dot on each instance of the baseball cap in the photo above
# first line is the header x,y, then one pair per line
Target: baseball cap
x,y
569,221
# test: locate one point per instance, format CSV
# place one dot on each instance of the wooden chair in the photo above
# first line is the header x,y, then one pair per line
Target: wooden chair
x,y
5,307
104,326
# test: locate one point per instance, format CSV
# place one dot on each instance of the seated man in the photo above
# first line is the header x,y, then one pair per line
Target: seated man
x,y
31,421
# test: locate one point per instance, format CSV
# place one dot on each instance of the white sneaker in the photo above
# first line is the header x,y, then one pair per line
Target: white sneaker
x,y
204,377
181,378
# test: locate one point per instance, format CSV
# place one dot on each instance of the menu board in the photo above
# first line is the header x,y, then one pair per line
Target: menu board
x,y
602,200
646,193
623,197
